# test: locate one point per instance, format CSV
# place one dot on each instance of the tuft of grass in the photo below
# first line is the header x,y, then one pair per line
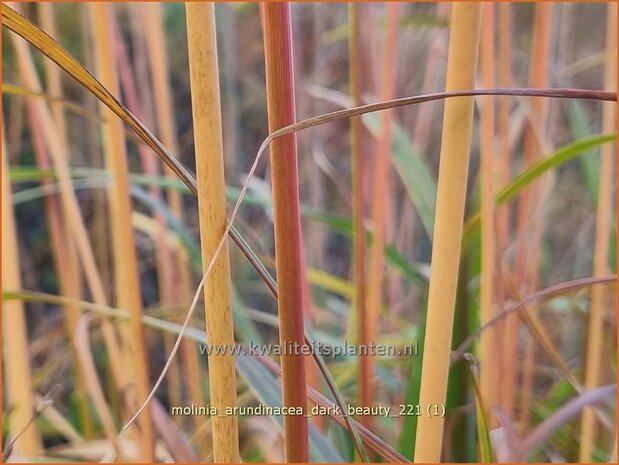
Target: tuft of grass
x,y
266,388
506,330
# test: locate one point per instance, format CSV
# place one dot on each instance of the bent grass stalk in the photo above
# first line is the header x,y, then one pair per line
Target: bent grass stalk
x,y
452,179
536,298
126,273
593,355
288,252
206,106
16,360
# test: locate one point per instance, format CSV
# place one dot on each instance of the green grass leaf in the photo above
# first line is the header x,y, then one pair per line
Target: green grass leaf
x,y
557,158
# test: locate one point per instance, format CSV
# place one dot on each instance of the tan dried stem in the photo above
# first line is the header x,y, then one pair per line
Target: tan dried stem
x,y
206,108
452,180
126,274
17,371
600,296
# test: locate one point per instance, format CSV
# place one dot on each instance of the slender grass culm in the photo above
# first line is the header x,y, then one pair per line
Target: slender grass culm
x,y
358,210
63,247
451,194
531,210
488,340
206,109
126,273
158,61
17,371
382,193
288,253
73,220
505,331
595,338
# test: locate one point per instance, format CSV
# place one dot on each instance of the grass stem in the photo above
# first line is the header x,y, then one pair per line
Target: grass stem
x,y
451,193
206,107
595,337
126,274
17,372
381,205
531,212
158,60
488,376
288,252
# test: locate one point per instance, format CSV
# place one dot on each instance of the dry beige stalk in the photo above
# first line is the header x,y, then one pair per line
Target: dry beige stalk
x,y
126,273
206,109
595,336
17,373
451,193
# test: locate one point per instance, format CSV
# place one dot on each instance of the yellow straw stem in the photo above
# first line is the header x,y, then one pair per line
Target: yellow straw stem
x,y
507,331
488,375
381,204
530,214
70,206
66,259
126,272
358,212
70,209
206,107
17,373
595,336
451,194
158,59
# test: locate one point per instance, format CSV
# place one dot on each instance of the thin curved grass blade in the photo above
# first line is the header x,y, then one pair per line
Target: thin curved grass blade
x,y
483,433
21,91
557,158
539,296
59,55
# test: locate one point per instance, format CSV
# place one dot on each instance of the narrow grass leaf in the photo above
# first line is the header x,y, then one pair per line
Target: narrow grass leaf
x,y
557,158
